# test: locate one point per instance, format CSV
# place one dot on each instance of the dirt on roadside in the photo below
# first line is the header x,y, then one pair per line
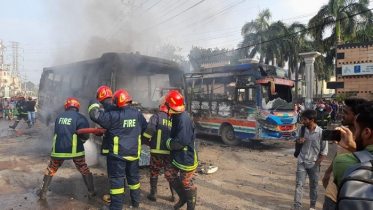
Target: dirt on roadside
x,y
249,176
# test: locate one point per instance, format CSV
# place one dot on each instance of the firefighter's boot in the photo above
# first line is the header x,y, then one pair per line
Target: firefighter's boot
x,y
88,180
14,125
191,199
153,189
44,186
178,187
172,193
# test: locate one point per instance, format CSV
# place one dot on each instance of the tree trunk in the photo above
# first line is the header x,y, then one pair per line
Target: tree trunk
x,y
322,88
296,82
317,88
338,30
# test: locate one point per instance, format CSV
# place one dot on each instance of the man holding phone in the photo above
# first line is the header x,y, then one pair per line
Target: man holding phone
x,y
310,157
361,139
348,119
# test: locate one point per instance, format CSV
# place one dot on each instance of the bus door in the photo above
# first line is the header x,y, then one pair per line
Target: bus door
x,y
245,105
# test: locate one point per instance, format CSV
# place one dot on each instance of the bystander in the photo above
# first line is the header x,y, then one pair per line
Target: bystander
x,y
348,119
310,157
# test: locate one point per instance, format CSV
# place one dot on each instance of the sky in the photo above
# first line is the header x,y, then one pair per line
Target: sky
x,y
58,32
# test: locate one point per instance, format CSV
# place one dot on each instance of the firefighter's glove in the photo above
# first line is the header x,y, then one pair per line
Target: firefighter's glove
x,y
93,104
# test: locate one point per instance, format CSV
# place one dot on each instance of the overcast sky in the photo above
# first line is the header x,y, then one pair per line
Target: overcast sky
x,y
62,31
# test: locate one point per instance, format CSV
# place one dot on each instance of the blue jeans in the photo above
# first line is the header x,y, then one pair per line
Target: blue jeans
x,y
31,117
313,174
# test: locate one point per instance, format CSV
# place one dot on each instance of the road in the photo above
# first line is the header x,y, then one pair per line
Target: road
x,y
250,176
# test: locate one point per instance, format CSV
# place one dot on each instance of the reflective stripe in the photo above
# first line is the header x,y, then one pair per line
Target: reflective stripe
x,y
73,150
54,143
130,158
117,191
92,106
158,149
115,147
134,187
105,151
164,152
159,139
185,148
75,143
168,142
147,135
187,168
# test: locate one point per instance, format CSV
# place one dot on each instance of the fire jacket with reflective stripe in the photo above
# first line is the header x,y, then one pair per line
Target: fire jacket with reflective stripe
x,y
158,131
21,107
66,143
124,129
105,141
322,119
182,143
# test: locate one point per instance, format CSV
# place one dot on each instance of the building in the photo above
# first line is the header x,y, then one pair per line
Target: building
x,y
354,72
7,80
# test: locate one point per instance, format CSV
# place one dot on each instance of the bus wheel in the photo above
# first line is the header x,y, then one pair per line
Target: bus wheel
x,y
228,136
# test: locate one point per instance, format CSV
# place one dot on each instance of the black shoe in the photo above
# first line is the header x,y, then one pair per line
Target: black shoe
x,y
191,199
135,204
14,125
172,193
178,187
88,180
153,189
44,186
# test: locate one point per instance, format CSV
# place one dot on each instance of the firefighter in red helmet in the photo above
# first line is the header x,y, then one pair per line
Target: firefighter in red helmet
x,y
105,96
69,145
158,131
22,112
183,151
124,127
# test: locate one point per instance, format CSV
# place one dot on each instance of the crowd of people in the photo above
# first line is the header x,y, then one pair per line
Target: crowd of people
x,y
356,135
20,108
169,133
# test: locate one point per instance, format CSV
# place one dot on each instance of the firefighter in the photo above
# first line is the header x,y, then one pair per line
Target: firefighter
x,y
158,131
22,112
105,96
322,116
124,129
183,152
68,145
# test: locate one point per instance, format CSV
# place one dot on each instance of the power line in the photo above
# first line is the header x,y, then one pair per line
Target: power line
x,y
284,36
152,6
174,15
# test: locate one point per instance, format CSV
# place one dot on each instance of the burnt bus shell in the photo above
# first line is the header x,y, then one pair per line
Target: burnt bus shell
x,y
116,70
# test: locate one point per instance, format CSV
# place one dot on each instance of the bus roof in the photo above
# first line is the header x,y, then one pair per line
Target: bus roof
x,y
256,69
126,61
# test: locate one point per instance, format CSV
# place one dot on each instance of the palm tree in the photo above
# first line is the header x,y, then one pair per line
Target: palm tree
x,y
253,32
340,16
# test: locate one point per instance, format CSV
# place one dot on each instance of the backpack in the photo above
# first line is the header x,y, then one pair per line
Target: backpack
x,y
298,147
356,188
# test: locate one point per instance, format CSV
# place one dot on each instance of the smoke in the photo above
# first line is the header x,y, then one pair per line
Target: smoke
x,y
91,152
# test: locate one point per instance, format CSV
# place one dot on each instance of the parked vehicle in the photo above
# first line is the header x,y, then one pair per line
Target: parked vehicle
x,y
246,101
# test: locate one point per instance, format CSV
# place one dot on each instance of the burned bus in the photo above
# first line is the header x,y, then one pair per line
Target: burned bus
x,y
145,78
247,101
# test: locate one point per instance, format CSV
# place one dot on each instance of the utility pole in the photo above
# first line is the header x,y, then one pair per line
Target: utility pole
x,y
1,54
15,70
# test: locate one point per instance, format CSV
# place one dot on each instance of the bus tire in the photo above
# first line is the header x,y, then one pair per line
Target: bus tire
x,y
228,136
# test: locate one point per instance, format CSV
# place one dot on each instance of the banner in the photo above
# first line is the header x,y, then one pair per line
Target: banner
x,y
357,69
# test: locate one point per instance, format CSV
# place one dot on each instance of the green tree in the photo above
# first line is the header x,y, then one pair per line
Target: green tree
x,y
170,52
337,15
198,56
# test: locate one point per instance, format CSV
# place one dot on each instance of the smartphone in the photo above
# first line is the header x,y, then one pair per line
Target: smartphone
x,y
331,135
